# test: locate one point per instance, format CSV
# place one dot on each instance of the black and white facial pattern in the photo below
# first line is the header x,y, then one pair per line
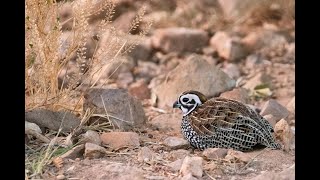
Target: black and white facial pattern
x,y
188,103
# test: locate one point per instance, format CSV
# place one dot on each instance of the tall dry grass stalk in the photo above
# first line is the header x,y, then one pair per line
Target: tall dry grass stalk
x,y
47,54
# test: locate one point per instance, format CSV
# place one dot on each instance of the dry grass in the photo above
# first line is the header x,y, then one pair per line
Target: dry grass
x,y
50,51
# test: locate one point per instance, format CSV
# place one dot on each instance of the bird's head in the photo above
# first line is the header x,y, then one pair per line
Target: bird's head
x,y
189,101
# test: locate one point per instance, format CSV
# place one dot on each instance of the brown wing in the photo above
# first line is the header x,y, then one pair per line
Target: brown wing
x,y
220,113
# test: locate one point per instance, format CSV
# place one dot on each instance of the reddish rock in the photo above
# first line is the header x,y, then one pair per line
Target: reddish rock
x,y
192,165
237,156
190,40
238,94
118,140
167,122
215,153
284,133
139,90
228,48
175,142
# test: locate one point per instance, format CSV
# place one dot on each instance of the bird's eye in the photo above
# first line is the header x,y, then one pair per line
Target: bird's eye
x,y
185,99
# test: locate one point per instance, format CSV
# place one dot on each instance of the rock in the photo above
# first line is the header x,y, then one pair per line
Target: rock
x,y
74,153
274,108
259,39
124,21
65,13
228,48
271,119
283,132
253,60
167,122
190,40
121,172
124,79
145,155
209,51
237,156
139,90
32,126
232,70
155,177
287,174
179,154
238,94
259,79
112,69
291,105
53,120
232,8
188,177
186,77
175,142
192,165
142,51
146,70
118,140
176,165
60,177
93,151
91,137
215,153
124,111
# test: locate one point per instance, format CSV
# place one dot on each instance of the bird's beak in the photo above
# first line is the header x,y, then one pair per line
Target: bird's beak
x,y
176,105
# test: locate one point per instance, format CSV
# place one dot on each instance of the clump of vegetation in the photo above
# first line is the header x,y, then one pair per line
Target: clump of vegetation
x,y
50,51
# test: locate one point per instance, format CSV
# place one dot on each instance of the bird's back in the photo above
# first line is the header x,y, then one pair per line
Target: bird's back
x,y
221,122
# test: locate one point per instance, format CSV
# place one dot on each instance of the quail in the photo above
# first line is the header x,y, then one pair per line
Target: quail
x,y
222,123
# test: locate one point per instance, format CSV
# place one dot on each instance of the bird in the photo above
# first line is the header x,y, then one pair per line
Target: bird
x,y
222,123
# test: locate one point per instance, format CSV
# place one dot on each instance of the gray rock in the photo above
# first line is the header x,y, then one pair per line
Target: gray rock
x,y
91,137
93,151
227,47
142,52
232,70
179,154
259,79
112,69
274,108
167,122
53,120
74,153
190,40
193,74
124,111
32,126
192,165
259,39
215,153
175,142
118,140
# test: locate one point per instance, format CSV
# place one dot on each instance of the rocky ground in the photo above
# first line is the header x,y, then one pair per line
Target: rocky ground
x,y
138,133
